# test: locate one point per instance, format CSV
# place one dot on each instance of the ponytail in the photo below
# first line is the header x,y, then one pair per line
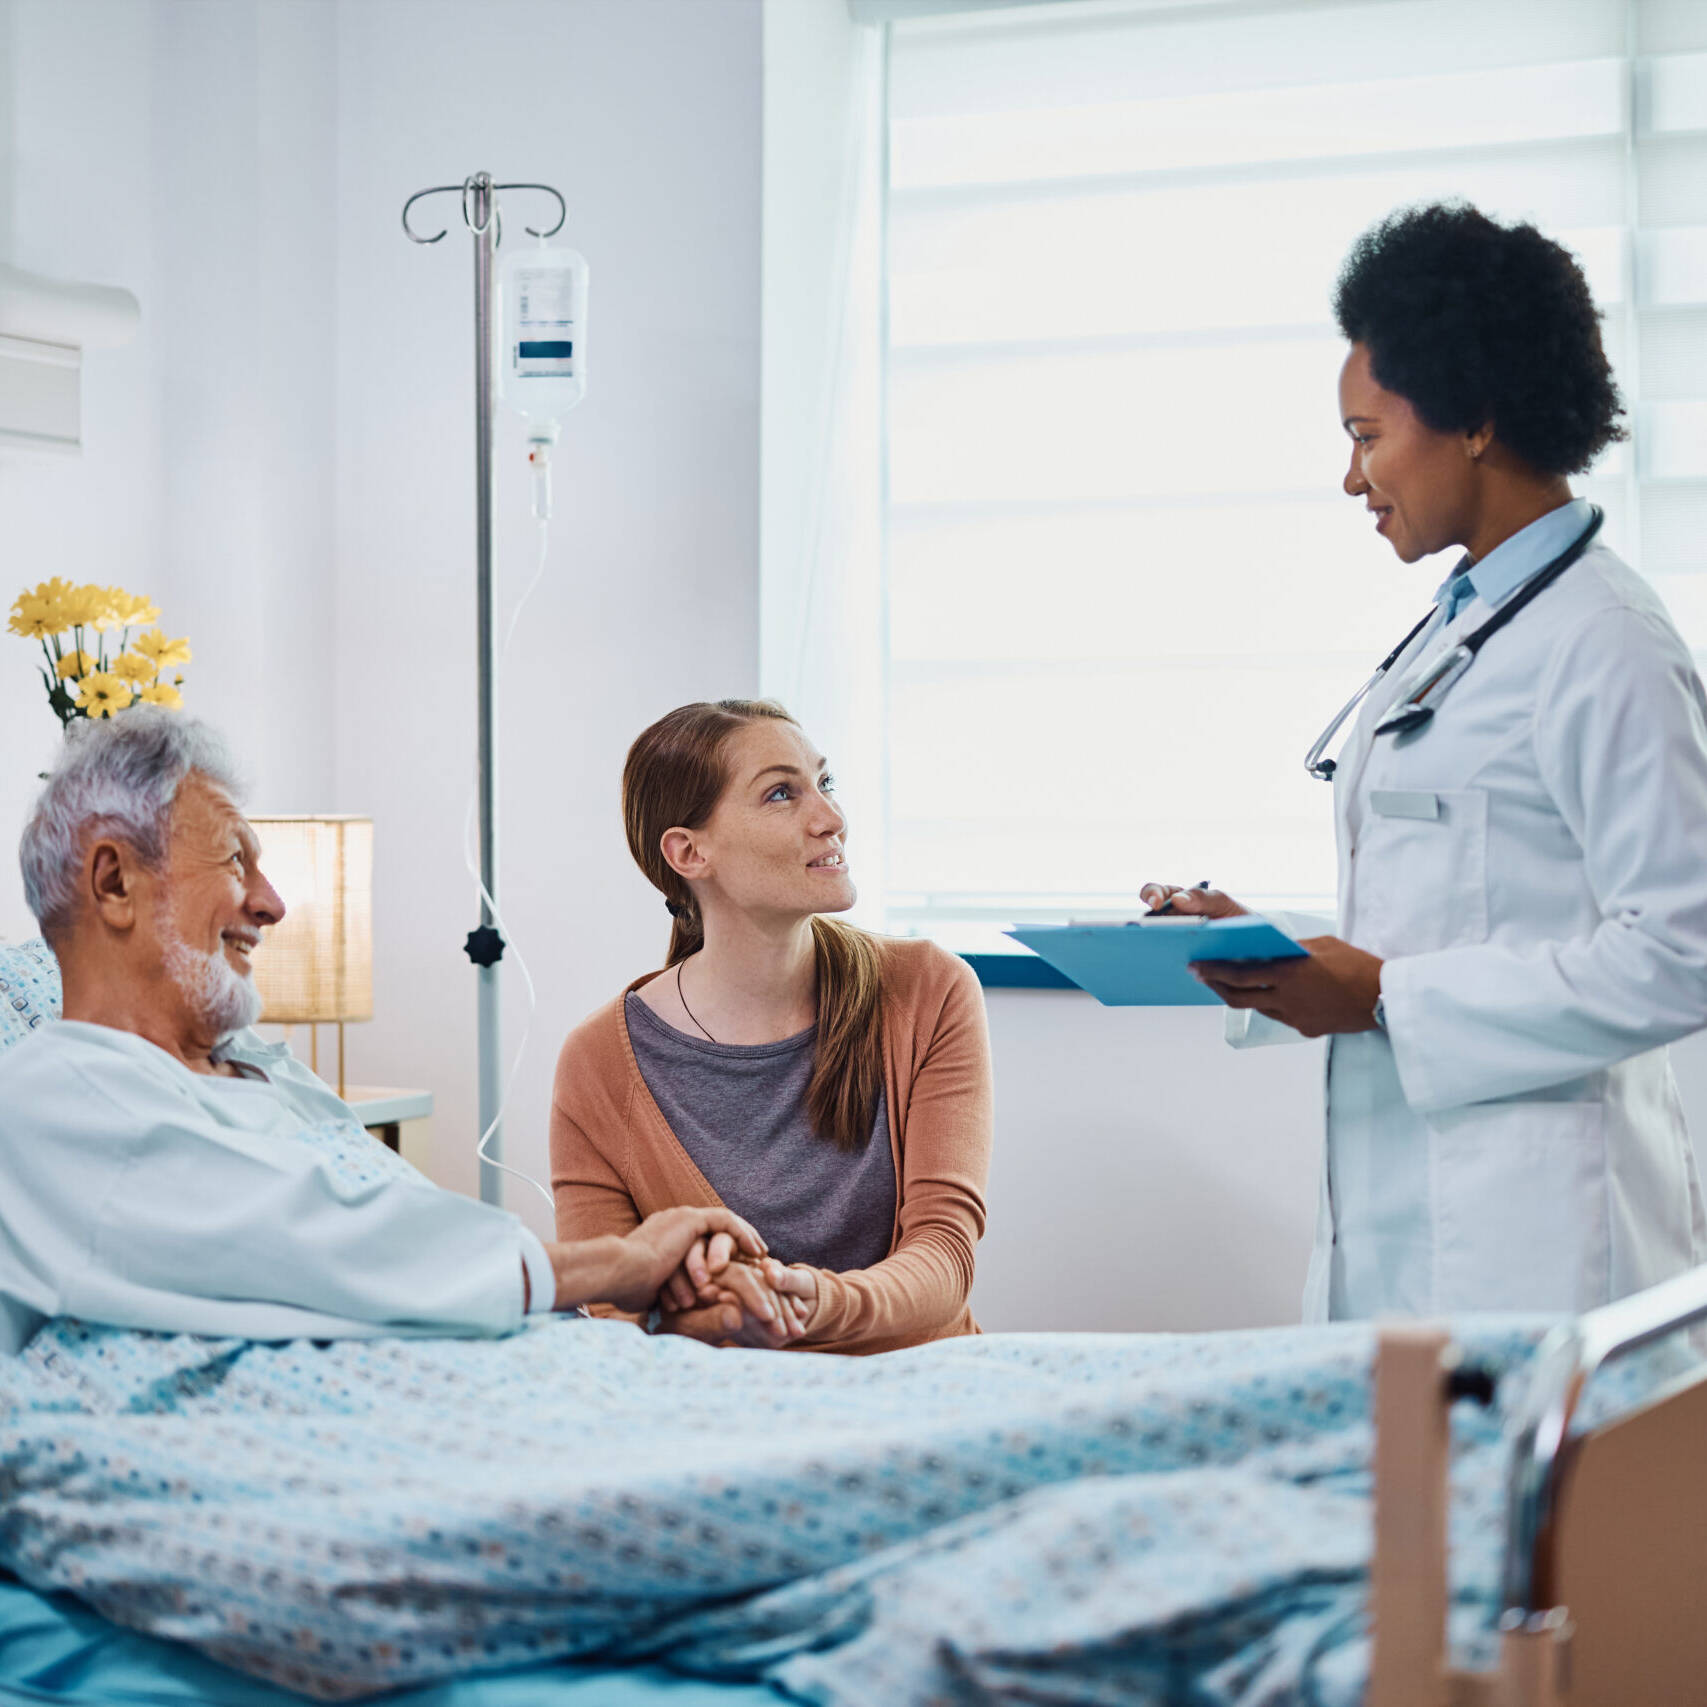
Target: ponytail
x,y
847,1061
687,930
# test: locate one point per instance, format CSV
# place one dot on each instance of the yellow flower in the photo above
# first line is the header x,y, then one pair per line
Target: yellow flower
x,y
55,591
84,607
162,693
163,652
127,610
134,668
76,662
101,694
35,617
104,606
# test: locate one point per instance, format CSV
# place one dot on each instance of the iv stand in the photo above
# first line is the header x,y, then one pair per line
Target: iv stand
x,y
485,947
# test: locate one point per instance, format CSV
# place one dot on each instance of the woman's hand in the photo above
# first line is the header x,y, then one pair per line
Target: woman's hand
x,y
696,1280
693,1285
1210,903
763,1305
1333,991
798,1284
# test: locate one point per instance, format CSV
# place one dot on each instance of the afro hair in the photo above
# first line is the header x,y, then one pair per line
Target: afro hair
x,y
1478,323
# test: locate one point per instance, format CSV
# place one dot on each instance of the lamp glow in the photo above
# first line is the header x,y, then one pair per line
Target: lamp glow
x,y
316,965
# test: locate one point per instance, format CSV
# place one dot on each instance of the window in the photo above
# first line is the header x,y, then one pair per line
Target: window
x,y
1125,591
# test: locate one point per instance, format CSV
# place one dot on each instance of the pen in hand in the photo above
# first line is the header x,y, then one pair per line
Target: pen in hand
x,y
1168,905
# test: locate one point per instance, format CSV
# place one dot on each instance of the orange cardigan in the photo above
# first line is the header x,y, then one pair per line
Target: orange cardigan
x,y
615,1160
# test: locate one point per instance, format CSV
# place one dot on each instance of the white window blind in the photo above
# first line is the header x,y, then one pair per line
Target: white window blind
x,y
1125,588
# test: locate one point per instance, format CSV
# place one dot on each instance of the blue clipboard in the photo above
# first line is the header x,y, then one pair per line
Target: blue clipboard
x,y
1143,963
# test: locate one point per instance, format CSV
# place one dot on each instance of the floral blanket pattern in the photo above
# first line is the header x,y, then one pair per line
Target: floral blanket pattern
x,y
1094,1518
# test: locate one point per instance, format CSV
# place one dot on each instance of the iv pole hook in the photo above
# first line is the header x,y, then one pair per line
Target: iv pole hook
x,y
462,190
436,190
562,206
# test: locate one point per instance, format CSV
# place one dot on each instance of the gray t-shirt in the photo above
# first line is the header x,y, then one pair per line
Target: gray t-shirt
x,y
739,1110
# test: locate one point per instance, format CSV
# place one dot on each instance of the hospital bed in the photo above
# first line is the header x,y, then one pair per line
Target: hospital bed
x,y
1604,1542
1605,1554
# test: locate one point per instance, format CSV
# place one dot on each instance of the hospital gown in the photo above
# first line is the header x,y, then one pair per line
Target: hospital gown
x,y
140,1194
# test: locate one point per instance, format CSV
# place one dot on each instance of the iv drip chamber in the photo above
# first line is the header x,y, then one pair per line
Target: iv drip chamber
x,y
542,332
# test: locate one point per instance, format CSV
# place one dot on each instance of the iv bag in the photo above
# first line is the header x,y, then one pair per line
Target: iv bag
x,y
542,331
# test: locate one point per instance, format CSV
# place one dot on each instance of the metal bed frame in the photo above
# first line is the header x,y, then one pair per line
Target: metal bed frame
x,y
1604,1585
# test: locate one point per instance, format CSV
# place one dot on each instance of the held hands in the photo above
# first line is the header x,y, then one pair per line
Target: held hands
x,y
630,1272
760,1303
705,1269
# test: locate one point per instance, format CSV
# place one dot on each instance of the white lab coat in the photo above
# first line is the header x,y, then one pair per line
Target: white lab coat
x,y
139,1194
1532,868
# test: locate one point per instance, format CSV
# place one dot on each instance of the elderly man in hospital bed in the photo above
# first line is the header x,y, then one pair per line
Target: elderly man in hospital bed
x,y
166,1168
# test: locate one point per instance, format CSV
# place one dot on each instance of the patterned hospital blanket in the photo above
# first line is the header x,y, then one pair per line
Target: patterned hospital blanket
x,y
1072,1518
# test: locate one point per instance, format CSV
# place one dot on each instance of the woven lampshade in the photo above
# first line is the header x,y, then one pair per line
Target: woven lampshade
x,y
316,964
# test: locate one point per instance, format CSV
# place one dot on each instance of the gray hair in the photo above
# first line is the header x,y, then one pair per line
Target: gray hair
x,y
119,777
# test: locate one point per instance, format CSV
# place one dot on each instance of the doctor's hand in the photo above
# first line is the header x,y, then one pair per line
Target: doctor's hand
x,y
1210,903
1335,990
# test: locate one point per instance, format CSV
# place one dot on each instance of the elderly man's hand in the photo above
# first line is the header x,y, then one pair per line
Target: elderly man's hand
x,y
1334,990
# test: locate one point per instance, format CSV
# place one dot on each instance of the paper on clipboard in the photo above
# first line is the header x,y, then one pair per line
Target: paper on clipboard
x,y
1145,963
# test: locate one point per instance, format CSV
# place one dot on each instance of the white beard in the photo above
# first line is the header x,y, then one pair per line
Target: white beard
x,y
218,994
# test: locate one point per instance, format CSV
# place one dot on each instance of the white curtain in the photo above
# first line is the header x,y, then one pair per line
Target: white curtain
x,y
823,640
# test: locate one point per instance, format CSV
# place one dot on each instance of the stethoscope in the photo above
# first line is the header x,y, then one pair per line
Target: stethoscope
x,y
1410,714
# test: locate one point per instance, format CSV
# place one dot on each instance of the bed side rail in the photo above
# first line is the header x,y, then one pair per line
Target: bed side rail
x,y
1568,1359
1606,1529
1583,1492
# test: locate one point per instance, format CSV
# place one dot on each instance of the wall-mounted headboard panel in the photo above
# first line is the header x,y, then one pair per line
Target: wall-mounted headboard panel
x,y
45,325
40,394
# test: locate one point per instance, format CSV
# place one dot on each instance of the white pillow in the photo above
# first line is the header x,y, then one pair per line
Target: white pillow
x,y
29,988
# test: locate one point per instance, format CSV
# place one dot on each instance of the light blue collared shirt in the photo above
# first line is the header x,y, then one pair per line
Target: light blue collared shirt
x,y
1513,561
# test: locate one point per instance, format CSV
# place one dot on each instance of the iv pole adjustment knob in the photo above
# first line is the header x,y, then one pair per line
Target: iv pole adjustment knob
x,y
484,946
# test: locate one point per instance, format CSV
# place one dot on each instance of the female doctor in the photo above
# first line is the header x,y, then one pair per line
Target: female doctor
x,y
1521,810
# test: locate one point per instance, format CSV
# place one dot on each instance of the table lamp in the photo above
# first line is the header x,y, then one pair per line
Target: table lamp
x,y
315,967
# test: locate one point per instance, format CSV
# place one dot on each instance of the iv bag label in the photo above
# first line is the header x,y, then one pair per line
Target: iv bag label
x,y
545,296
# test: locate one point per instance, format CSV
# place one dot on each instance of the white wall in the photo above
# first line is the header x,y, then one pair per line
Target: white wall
x,y
1144,1175
77,200
185,152
645,113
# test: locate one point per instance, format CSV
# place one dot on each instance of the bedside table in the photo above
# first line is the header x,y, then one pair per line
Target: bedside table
x,y
382,1110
